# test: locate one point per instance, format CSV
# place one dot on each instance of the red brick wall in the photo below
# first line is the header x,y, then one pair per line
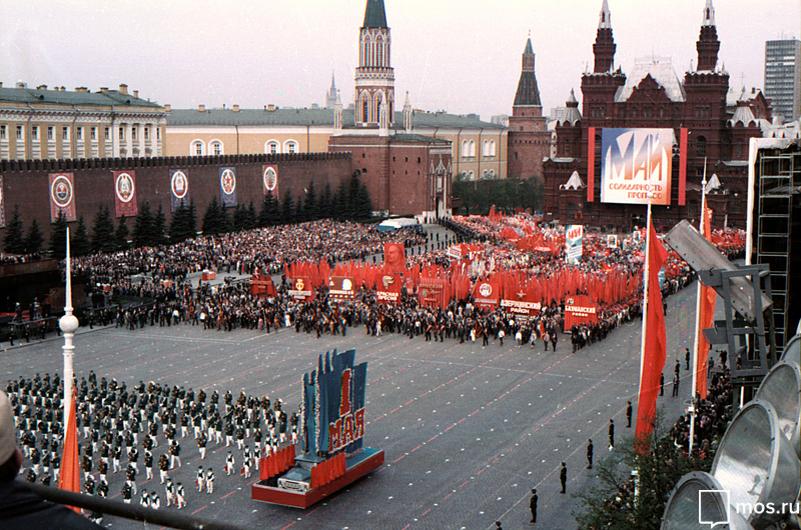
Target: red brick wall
x,y
26,183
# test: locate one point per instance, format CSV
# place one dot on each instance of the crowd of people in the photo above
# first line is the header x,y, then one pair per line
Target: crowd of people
x,y
130,437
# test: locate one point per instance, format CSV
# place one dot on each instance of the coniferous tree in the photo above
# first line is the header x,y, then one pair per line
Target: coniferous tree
x,y
191,219
121,234
143,227
353,196
324,204
103,232
363,206
300,212
240,218
215,220
14,241
341,208
226,223
58,237
311,212
180,229
80,245
251,217
287,209
159,234
35,238
264,213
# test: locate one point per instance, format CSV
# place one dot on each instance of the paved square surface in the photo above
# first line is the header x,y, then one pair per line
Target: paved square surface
x,y
467,431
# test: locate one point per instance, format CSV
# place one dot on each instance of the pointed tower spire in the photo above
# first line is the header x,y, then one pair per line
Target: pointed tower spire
x,y
708,44
528,93
331,97
604,47
605,21
709,14
407,114
375,77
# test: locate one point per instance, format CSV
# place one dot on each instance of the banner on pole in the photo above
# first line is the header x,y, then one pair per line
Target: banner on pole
x,y
574,239
125,193
62,196
228,186
636,166
179,188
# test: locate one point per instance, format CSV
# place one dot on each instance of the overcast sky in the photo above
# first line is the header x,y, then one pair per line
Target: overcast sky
x,y
462,56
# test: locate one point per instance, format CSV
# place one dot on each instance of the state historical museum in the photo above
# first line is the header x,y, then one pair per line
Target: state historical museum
x,y
719,127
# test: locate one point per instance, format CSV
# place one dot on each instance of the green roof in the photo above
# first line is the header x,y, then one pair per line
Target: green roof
x,y
290,117
529,49
58,97
374,14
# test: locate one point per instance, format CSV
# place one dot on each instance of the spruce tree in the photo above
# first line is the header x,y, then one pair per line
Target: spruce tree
x,y
215,220
180,229
240,218
35,239
103,232
311,212
143,227
79,240
121,234
341,205
251,217
324,205
226,223
264,213
300,212
14,241
58,237
287,209
363,205
191,219
159,233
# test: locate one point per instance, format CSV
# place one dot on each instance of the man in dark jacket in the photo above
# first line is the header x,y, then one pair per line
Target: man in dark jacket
x,y
20,508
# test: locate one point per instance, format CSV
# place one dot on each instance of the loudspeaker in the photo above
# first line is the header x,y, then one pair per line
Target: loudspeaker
x,y
792,351
782,389
690,509
757,464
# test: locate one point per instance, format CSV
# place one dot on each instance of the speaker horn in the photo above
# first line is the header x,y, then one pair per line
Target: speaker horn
x,y
782,389
756,463
792,351
699,501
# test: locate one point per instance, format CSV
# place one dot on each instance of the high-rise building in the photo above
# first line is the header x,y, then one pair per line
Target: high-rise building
x,y
783,77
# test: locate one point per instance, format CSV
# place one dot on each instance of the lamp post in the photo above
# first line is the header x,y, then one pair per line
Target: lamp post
x,y
68,324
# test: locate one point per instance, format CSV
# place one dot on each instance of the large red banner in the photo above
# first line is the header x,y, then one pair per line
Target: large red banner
x,y
125,193
301,289
486,295
580,310
394,257
388,288
62,196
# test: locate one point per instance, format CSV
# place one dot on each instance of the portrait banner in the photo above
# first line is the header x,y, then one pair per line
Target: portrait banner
x,y
636,166
179,188
394,257
125,193
270,180
228,186
62,196
2,204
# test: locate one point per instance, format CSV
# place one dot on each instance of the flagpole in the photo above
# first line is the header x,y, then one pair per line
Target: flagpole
x,y
646,281
68,324
693,392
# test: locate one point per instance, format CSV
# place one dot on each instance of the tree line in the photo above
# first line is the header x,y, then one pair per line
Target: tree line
x,y
350,202
479,196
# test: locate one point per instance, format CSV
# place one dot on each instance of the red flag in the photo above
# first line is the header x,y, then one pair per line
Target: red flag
x,y
653,361
707,315
70,476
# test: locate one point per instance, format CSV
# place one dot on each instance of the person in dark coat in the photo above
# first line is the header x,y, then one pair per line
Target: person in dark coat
x,y
628,414
589,454
563,477
611,434
533,505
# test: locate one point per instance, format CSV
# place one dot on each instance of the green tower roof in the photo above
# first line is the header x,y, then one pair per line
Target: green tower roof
x,y
374,14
